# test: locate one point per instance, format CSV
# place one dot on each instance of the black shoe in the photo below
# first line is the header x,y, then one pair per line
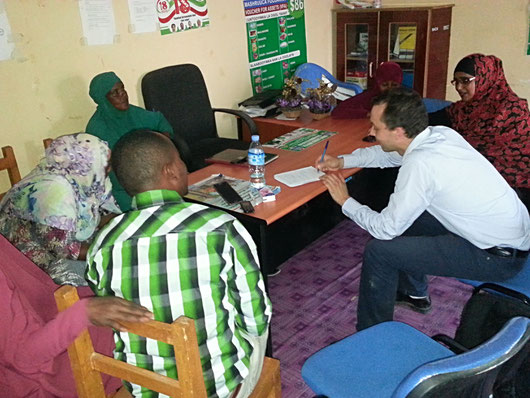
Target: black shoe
x,y
421,305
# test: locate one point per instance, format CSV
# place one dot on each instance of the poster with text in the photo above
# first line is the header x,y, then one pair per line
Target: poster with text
x,y
276,41
178,15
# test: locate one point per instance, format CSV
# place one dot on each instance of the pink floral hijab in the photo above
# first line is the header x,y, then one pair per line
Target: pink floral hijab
x,y
68,187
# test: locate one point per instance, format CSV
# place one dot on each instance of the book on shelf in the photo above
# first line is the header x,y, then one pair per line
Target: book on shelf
x,y
237,157
405,42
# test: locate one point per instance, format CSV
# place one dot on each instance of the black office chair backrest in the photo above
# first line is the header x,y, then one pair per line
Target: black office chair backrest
x,y
179,92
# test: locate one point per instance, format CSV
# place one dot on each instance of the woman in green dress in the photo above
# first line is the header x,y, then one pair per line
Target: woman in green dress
x,y
115,117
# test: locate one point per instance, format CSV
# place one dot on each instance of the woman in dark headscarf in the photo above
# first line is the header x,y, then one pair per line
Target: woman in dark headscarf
x,y
115,117
492,118
388,75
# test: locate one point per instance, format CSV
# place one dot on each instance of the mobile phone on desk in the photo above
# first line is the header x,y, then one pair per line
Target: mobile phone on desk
x,y
230,195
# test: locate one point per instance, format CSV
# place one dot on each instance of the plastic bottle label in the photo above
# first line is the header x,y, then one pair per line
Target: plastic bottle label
x,y
256,159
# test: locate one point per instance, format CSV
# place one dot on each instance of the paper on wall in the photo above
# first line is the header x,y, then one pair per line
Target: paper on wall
x,y
97,19
6,45
143,16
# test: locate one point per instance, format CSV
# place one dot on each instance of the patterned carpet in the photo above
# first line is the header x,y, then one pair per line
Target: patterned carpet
x,y
315,300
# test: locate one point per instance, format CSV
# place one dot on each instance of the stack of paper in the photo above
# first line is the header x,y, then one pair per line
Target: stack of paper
x,y
298,177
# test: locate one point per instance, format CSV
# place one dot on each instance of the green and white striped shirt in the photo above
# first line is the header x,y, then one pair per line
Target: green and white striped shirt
x,y
177,258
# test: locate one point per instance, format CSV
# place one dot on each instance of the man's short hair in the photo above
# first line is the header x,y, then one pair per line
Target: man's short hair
x,y
404,108
138,158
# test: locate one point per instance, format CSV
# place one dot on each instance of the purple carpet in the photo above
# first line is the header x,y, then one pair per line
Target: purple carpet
x,y
315,302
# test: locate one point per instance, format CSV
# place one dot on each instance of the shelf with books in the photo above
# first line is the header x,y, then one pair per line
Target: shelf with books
x,y
355,58
401,61
417,38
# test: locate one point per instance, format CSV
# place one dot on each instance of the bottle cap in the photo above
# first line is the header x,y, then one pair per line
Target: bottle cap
x,y
255,138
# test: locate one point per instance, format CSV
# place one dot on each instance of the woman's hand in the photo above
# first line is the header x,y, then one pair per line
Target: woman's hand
x,y
110,311
330,163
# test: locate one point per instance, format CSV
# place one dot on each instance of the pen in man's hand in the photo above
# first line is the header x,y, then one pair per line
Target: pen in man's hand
x,y
324,153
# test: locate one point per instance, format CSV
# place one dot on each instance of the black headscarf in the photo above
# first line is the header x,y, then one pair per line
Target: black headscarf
x,y
466,65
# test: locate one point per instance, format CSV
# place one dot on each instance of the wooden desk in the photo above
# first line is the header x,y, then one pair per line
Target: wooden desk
x,y
269,128
295,208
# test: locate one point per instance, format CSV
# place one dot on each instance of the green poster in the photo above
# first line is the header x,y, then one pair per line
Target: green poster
x,y
276,41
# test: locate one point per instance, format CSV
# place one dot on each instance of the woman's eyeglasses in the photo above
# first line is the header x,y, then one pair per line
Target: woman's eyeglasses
x,y
464,81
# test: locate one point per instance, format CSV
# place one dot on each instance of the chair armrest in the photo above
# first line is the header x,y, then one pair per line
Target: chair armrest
x,y
252,128
503,290
452,344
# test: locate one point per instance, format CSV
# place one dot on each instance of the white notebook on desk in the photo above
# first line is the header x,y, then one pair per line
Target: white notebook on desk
x,y
298,177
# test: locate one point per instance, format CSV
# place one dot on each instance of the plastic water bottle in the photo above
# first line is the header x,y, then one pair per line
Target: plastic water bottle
x,y
256,163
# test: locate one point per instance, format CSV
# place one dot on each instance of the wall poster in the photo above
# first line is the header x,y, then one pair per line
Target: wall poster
x,y
276,41
178,15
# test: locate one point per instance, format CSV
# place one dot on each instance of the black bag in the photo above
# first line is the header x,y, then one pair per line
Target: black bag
x,y
483,316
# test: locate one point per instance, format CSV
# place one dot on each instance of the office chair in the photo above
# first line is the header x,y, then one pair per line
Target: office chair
x,y
394,360
180,93
312,73
517,286
9,163
88,365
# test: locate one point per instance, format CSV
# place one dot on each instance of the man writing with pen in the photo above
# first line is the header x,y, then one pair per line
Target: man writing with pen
x,y
451,213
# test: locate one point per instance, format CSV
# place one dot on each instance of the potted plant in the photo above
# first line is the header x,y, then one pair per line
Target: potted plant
x,y
321,100
290,102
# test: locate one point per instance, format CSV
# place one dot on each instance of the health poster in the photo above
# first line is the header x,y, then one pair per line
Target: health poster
x,y
276,41
178,15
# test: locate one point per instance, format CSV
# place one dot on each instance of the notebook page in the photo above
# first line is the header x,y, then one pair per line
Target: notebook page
x,y
298,177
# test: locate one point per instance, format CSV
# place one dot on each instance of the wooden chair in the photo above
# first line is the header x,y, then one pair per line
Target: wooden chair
x,y
9,163
87,364
46,142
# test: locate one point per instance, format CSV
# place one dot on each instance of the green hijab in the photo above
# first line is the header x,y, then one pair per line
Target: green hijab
x,y
110,124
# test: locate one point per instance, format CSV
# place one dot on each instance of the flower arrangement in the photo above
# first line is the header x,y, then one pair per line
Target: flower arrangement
x,y
291,98
321,99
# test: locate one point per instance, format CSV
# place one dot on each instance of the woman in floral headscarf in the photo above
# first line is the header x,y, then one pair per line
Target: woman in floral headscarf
x,y
52,213
492,118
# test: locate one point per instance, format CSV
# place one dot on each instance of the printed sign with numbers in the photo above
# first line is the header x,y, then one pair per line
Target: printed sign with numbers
x,y
276,41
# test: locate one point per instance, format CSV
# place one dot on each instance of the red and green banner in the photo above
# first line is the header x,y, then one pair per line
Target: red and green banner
x,y
276,41
178,15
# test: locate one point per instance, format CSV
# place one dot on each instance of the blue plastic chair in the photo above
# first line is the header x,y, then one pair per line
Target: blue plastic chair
x,y
313,73
394,360
517,286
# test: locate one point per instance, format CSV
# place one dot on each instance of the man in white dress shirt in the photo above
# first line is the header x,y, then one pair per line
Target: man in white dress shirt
x,y
451,213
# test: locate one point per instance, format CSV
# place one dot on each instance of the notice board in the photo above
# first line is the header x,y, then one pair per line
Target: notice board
x,y
276,41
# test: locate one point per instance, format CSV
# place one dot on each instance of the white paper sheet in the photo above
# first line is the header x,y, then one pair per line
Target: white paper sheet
x,y
298,177
6,45
97,18
143,16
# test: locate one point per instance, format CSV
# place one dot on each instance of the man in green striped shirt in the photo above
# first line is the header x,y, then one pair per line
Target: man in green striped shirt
x,y
177,258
